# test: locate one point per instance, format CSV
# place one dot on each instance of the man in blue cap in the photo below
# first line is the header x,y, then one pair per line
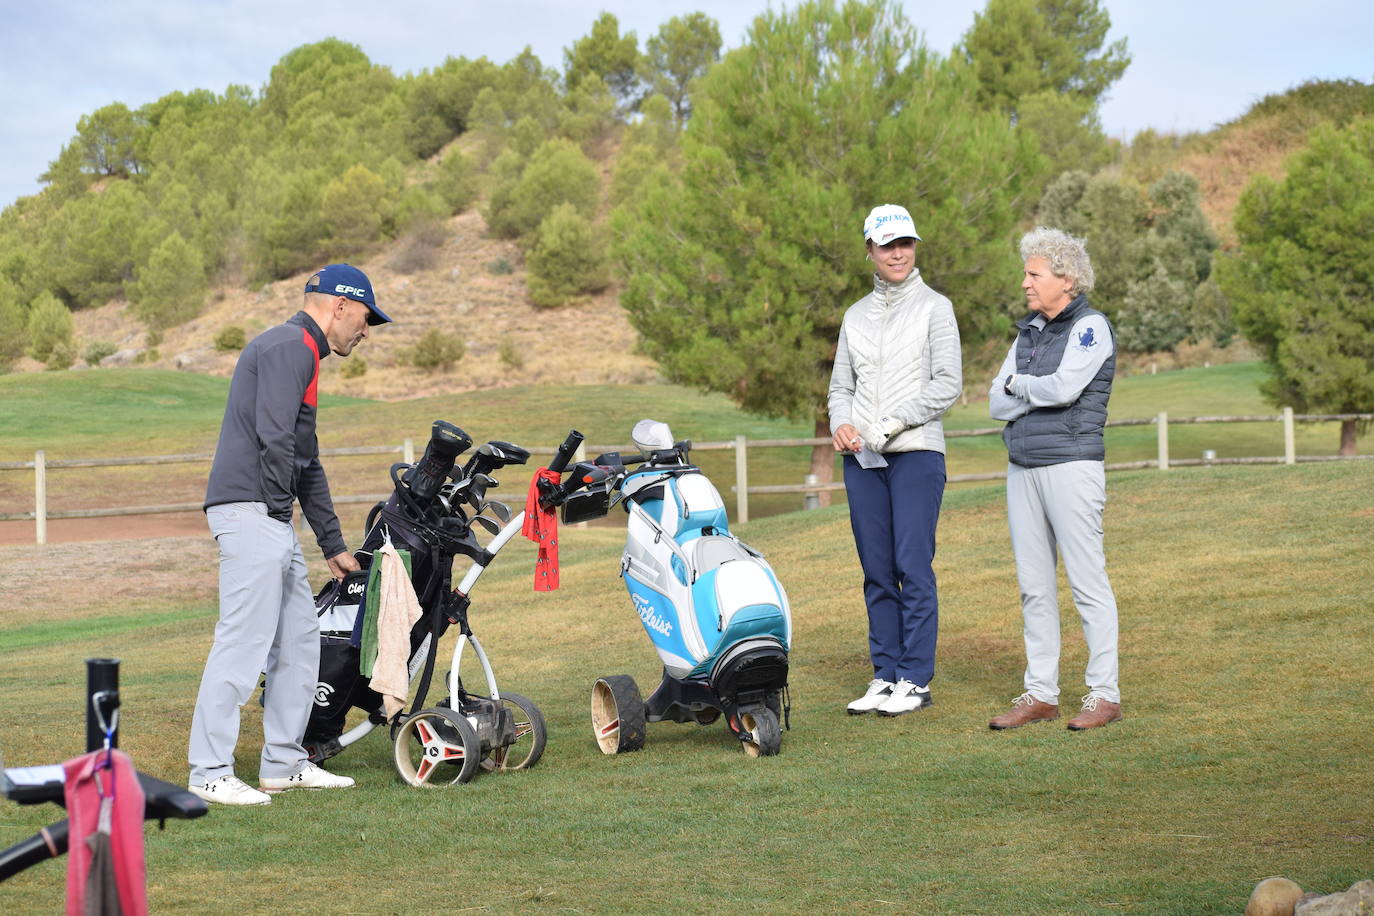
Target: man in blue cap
x,y
267,458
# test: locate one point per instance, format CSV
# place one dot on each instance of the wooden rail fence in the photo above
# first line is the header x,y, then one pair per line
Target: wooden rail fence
x,y
740,445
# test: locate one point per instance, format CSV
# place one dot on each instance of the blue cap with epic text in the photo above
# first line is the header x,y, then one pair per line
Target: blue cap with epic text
x,y
347,280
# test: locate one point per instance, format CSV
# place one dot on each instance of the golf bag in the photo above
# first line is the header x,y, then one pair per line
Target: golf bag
x,y
426,523
710,604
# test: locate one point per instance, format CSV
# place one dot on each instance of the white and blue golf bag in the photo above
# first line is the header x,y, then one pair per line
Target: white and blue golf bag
x,y
710,604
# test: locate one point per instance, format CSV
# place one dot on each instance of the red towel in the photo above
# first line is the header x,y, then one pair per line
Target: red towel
x,y
126,831
541,526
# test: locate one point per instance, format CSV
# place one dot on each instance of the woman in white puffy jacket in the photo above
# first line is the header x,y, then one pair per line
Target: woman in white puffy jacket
x,y
897,370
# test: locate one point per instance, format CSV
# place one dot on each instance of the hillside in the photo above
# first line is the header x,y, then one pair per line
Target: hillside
x,y
586,343
474,285
1258,142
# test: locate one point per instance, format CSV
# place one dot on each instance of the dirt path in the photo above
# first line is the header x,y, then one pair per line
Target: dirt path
x,y
118,528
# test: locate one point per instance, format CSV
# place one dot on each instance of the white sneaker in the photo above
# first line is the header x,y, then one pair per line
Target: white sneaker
x,y
905,697
878,691
312,777
230,790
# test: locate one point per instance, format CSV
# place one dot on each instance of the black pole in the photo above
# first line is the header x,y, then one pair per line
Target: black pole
x,y
102,685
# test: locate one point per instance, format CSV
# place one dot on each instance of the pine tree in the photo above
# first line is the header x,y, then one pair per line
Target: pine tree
x,y
608,54
171,286
50,332
13,318
568,259
558,172
739,268
681,52
1302,285
1020,47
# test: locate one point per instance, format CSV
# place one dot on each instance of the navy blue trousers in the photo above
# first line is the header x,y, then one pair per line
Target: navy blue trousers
x,y
894,511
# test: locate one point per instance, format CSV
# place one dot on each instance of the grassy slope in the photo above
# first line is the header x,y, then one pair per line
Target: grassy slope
x,y
1245,632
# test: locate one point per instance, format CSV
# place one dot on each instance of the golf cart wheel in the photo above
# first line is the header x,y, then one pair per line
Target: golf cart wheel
x,y
530,736
773,700
761,736
617,714
437,747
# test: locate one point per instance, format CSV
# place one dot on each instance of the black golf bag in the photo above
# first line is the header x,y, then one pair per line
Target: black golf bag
x,y
426,521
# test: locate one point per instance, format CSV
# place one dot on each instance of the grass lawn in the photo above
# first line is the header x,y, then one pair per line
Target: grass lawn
x,y
1245,752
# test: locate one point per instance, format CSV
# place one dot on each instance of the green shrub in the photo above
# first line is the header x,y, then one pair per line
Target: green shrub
x,y
62,356
437,349
568,259
49,326
510,354
500,267
353,367
557,173
418,206
13,321
355,206
230,338
170,287
456,183
97,351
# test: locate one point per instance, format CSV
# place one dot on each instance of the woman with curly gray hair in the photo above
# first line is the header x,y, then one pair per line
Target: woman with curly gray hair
x,y
1052,391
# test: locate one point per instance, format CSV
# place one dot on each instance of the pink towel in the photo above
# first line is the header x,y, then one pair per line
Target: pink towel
x,y
125,832
397,613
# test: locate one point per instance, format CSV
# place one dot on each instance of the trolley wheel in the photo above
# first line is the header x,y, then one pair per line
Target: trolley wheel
x,y
437,747
706,716
530,736
617,714
761,735
773,700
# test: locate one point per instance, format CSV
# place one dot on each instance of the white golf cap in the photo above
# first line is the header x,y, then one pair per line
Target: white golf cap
x,y
888,222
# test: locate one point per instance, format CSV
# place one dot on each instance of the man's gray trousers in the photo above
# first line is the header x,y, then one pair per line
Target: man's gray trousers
x,y
267,624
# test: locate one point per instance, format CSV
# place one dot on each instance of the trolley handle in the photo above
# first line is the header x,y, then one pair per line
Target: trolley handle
x,y
565,452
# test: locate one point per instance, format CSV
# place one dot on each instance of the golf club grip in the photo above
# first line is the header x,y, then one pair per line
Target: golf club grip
x,y
565,452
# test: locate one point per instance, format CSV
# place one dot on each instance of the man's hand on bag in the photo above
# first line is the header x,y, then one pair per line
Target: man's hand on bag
x,y
342,564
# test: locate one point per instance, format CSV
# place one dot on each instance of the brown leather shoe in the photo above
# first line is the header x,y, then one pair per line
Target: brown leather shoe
x,y
1024,710
1096,713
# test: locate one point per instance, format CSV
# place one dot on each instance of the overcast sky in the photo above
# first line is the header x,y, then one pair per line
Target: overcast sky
x,y
1196,63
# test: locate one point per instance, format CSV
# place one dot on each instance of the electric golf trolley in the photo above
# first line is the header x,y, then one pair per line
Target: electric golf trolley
x,y
710,604
431,513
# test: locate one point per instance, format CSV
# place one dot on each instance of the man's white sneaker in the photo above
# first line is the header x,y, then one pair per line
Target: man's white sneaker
x,y
878,691
904,698
230,790
312,777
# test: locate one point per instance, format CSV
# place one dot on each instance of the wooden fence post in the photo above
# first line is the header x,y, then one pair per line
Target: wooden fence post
x,y
741,480
40,497
1164,440
1290,449
408,451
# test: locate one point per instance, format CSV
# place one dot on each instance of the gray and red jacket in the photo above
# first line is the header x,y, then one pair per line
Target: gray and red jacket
x,y
267,448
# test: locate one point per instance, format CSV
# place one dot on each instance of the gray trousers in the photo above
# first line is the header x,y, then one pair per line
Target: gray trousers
x,y
267,624
1061,506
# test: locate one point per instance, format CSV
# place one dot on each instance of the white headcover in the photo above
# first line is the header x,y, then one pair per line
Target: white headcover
x,y
651,435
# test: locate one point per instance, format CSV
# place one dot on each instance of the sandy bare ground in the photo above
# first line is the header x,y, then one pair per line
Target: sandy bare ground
x,y
126,527
60,580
